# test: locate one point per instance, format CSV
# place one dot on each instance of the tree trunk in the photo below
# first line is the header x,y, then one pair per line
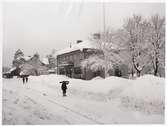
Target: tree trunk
x,y
138,72
132,72
135,66
156,67
106,72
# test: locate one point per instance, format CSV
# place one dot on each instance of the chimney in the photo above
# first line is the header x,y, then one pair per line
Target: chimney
x,y
79,41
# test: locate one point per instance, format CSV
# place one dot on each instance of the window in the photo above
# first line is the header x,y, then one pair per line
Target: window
x,y
64,59
68,58
75,57
80,56
71,57
77,70
62,71
59,60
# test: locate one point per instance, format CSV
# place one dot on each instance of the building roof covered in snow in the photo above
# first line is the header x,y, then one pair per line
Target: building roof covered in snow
x,y
12,69
45,61
26,58
86,44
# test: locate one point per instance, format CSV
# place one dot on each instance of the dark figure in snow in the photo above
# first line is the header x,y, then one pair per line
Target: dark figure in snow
x,y
26,79
64,87
23,79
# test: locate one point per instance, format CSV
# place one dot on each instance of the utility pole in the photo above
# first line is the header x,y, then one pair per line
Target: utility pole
x,y
104,35
70,44
104,18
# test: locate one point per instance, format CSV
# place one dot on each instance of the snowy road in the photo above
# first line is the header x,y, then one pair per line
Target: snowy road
x,y
62,114
41,102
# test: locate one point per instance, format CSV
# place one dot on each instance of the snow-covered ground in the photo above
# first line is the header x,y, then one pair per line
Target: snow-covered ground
x,y
98,101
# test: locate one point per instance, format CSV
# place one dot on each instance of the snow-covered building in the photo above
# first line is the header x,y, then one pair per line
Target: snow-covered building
x,y
69,60
45,61
29,65
11,72
34,66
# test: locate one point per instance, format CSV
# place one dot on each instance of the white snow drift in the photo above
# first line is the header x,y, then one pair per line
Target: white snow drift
x,y
98,101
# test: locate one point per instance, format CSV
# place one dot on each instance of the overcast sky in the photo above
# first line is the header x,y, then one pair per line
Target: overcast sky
x,y
41,27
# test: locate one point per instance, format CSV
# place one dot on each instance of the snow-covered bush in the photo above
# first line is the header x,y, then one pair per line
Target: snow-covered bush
x,y
93,63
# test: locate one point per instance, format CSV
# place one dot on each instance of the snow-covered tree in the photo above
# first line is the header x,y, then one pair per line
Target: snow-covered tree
x,y
142,39
110,46
138,33
157,42
18,58
52,59
18,53
94,63
36,55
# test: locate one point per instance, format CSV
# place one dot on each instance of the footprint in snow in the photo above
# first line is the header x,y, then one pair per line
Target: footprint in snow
x,y
16,101
28,123
11,92
5,100
10,113
44,94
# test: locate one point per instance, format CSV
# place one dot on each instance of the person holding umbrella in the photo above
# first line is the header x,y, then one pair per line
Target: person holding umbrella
x,y
64,87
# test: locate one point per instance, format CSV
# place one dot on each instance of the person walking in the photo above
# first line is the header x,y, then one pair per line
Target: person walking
x,y
23,79
64,87
26,79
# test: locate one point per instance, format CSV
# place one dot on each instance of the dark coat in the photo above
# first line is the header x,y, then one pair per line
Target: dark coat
x,y
24,76
64,85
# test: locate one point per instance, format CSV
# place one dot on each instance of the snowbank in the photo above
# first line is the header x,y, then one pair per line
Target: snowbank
x,y
147,93
108,101
97,78
144,94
